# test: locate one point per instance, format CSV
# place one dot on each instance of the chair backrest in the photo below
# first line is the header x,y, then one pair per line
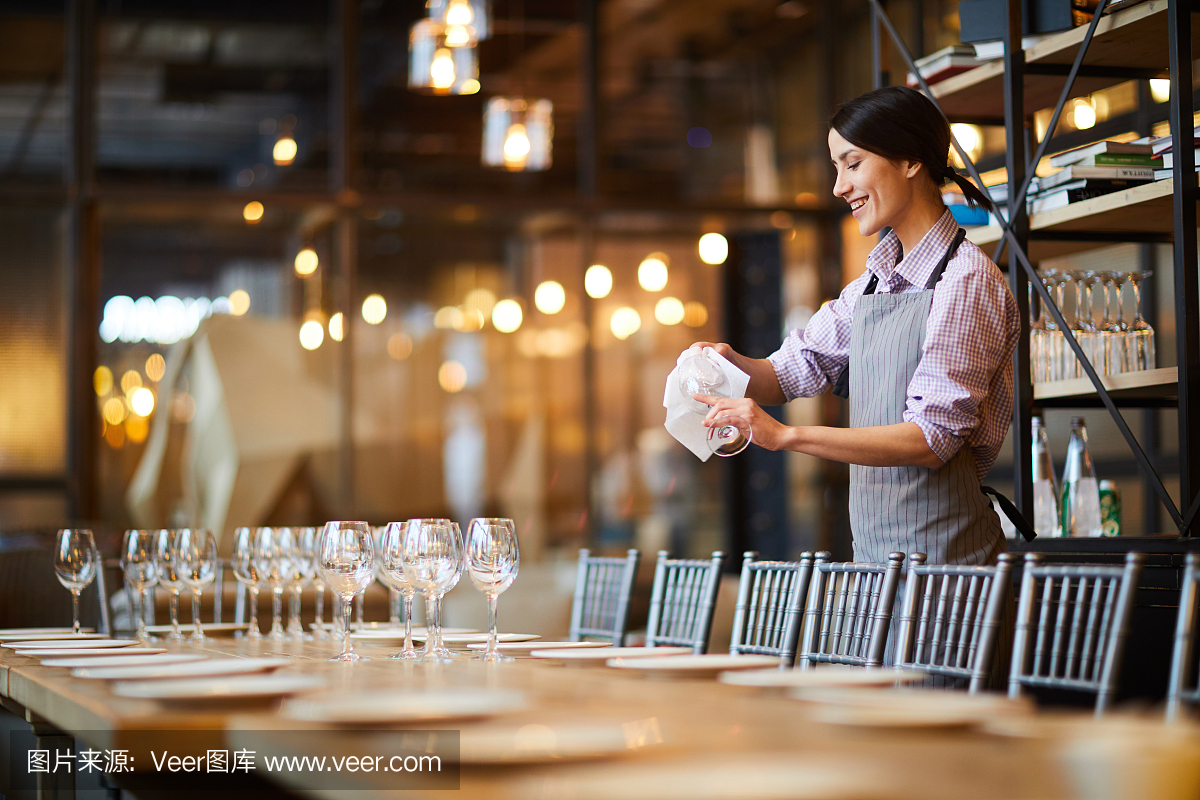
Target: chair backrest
x,y
1183,666
771,595
950,618
1071,626
849,612
682,601
603,587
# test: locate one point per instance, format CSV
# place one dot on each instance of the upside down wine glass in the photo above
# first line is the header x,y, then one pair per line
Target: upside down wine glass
x,y
729,435
346,560
391,572
75,564
1139,347
492,559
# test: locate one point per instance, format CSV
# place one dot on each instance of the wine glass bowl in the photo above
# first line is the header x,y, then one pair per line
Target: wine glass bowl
x,y
492,561
75,564
391,572
346,560
699,374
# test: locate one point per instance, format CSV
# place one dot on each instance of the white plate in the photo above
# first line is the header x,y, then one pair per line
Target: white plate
x,y
537,743
47,636
694,666
217,630
463,639
925,706
236,686
55,631
72,644
527,647
821,677
194,669
594,655
119,659
384,707
99,652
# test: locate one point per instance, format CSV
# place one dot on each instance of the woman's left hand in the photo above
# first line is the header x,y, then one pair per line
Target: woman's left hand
x,y
767,431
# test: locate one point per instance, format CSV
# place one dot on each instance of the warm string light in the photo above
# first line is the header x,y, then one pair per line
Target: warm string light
x,y
517,133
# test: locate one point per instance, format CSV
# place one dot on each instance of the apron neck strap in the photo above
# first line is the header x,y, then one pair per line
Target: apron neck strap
x,y
938,270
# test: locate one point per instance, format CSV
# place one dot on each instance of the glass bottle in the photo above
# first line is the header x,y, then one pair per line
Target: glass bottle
x,y
1047,516
1080,492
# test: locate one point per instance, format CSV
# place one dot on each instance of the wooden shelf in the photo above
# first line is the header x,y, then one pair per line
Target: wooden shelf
x,y
1156,383
1135,38
1148,208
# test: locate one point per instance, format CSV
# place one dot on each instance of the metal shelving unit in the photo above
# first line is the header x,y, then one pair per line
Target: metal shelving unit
x,y
1149,40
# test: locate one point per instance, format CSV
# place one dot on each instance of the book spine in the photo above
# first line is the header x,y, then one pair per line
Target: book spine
x,y
1125,159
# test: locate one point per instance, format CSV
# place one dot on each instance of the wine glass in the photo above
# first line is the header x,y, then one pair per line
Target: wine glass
x,y
1058,353
245,568
729,435
391,572
1112,329
394,597
141,571
302,568
75,565
1037,338
431,558
168,576
196,559
1085,327
1139,342
699,374
493,559
346,560
275,548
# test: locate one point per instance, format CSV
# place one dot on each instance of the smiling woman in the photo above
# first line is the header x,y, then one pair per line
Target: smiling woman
x,y
927,373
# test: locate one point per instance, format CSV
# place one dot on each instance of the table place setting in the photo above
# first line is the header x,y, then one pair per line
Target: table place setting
x,y
693,666
396,707
209,667
217,630
527,647
44,633
70,644
596,657
832,676
47,636
119,659
906,707
92,652
232,687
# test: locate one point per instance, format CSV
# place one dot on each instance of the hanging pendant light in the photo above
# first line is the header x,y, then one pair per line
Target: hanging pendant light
x,y
517,133
473,16
436,65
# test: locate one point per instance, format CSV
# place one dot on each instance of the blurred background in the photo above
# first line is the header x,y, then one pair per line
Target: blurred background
x,y
270,263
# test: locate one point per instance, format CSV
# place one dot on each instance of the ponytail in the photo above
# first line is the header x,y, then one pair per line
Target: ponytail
x,y
975,196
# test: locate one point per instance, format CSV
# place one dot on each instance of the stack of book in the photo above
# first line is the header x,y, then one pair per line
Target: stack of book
x,y
944,63
1162,148
1094,170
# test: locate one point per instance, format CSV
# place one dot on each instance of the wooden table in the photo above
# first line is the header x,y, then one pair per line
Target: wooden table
x,y
723,735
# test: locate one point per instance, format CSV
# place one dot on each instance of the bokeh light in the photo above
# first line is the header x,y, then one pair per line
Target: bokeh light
x,y
714,248
114,411
253,212
448,318
156,367
699,137
400,346
307,261
482,300
142,402
669,311
312,333
694,314
374,309
598,281
507,316
131,380
239,302
549,297
625,322
102,380
1160,89
452,376
284,151
136,429
469,319
652,272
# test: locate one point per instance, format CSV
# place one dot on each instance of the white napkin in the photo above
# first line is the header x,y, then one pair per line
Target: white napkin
x,y
685,424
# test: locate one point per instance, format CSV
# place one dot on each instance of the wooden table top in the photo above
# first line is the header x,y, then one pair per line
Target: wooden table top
x,y
730,741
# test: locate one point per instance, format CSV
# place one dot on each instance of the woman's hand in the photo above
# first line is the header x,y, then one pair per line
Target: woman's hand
x,y
763,386
766,431
722,349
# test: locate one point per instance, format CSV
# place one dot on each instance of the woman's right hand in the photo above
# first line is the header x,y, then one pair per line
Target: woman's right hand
x,y
722,349
764,385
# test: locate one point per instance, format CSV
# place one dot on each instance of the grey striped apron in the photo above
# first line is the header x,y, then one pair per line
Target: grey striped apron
x,y
939,512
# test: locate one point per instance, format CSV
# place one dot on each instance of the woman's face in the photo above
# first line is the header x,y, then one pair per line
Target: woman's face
x,y
877,189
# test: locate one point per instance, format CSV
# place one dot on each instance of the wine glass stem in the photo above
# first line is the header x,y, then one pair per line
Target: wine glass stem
x,y
359,603
431,637
175,614
492,649
346,600
408,607
141,620
199,632
277,610
294,609
253,610
75,609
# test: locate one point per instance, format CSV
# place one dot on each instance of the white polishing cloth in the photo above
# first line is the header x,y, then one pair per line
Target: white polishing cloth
x,y
685,424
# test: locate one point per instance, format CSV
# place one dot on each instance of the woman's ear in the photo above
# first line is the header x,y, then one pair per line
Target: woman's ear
x,y
912,168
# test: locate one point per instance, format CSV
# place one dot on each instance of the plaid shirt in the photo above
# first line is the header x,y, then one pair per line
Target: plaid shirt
x,y
962,390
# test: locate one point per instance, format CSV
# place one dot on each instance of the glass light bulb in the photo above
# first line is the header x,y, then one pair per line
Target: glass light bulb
x,y
516,144
459,13
441,71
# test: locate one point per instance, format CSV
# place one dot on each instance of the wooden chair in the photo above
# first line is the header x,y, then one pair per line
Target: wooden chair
x,y
603,587
950,618
1071,631
767,617
1183,660
849,612
682,601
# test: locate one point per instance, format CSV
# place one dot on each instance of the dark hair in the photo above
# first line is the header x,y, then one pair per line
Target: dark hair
x,y
901,124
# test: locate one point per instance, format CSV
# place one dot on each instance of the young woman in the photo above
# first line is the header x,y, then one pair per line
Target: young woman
x,y
927,334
